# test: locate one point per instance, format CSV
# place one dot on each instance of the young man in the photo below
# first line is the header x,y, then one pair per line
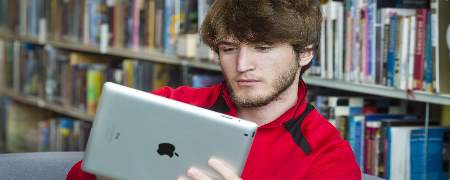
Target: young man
x,y
264,46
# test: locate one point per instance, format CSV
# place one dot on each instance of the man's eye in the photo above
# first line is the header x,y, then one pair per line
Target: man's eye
x,y
263,48
228,49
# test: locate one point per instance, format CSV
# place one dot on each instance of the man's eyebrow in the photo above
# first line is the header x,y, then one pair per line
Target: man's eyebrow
x,y
227,43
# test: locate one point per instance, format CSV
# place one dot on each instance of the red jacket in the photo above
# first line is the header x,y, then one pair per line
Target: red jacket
x,y
300,144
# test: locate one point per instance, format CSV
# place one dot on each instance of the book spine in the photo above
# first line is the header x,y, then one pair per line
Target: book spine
x,y
428,79
419,54
391,56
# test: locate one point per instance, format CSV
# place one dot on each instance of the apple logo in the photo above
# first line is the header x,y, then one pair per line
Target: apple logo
x,y
166,149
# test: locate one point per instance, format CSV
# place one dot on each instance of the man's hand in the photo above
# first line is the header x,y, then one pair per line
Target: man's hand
x,y
220,166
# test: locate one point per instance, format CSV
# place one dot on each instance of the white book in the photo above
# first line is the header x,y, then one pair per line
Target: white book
x,y
339,46
202,10
348,48
42,37
323,57
400,161
404,45
411,51
373,28
363,51
328,11
187,45
23,17
85,23
356,40
16,66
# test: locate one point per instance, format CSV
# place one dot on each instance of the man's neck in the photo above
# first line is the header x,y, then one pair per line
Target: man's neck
x,y
268,113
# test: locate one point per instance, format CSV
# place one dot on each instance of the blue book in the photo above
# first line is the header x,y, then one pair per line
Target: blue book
x,y
355,137
169,12
392,52
371,19
33,17
379,117
93,21
199,80
386,124
435,167
428,56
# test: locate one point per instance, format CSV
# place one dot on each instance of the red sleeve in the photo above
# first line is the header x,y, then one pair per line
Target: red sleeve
x,y
76,173
335,164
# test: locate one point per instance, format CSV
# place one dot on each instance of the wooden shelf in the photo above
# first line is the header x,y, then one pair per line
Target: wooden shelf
x,y
33,101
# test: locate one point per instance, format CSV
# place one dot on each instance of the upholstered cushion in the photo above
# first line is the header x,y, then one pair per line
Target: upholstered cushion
x,y
42,165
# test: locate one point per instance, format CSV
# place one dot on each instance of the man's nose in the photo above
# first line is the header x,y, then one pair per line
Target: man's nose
x,y
245,60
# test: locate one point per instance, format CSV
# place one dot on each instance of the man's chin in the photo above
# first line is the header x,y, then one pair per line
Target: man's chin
x,y
250,100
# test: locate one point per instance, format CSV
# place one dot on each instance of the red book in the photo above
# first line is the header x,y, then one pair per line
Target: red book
x,y
419,59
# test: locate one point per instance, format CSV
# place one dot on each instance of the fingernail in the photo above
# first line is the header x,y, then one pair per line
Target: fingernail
x,y
212,161
192,171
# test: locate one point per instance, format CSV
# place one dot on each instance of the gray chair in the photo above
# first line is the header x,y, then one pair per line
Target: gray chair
x,y
37,166
50,165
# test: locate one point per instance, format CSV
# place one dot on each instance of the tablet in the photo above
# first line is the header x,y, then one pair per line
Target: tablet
x,y
138,135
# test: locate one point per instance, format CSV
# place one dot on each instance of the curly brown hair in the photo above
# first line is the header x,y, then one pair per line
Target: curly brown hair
x,y
296,22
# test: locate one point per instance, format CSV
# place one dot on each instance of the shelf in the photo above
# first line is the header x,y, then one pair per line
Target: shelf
x,y
156,56
146,55
33,101
378,90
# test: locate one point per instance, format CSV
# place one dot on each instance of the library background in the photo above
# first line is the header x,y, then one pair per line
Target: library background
x,y
382,74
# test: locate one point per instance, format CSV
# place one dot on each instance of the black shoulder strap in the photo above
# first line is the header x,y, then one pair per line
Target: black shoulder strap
x,y
294,128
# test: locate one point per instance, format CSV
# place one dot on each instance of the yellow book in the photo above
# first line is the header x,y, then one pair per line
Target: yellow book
x,y
128,72
95,78
161,75
79,58
151,23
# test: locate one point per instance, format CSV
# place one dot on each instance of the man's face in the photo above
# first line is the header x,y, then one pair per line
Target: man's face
x,y
257,74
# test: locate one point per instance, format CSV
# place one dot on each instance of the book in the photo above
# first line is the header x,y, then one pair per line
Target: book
x,y
429,150
404,3
22,132
441,45
95,80
398,151
419,60
4,102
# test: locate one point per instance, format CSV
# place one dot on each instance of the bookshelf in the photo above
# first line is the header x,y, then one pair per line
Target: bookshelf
x,y
157,57
33,101
379,90
149,55
344,64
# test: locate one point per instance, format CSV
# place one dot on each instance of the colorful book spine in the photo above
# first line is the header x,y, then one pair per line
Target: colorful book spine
x,y
428,79
420,49
95,78
428,157
391,56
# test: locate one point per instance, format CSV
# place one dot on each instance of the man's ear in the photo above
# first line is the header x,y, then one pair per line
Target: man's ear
x,y
306,56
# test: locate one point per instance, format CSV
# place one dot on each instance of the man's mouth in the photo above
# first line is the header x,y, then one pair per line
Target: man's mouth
x,y
247,82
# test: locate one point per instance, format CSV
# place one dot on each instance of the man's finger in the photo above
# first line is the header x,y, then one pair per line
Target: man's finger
x,y
183,178
196,174
223,168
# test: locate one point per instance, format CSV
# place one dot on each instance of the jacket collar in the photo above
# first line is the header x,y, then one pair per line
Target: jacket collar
x,y
223,104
